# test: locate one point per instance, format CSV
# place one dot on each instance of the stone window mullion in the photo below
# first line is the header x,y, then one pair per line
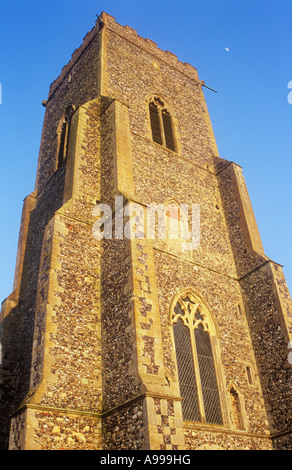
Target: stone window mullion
x,y
162,128
193,324
198,376
161,123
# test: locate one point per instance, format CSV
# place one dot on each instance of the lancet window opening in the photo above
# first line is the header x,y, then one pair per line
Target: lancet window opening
x,y
64,135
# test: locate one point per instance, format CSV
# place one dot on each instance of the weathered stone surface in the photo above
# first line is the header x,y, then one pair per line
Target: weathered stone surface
x,y
88,352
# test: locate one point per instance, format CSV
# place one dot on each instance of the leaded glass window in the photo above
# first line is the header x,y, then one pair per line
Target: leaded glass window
x,y
195,360
186,371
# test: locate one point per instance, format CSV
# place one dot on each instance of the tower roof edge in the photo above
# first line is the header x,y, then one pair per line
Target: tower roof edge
x,y
130,34
147,44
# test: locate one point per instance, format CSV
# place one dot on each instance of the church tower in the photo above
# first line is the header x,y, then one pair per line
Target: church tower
x,y
119,334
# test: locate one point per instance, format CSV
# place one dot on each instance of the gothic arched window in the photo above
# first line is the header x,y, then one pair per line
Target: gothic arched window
x,y
194,336
64,134
161,123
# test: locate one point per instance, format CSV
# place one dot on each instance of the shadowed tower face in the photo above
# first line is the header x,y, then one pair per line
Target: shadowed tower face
x,y
145,313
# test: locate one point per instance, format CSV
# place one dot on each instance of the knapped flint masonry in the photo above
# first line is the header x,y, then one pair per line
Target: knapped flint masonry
x,y
135,343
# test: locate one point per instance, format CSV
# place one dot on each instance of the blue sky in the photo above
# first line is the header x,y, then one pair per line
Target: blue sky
x,y
241,48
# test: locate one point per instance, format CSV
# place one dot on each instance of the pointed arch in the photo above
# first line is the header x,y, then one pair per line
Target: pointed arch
x,y
63,133
177,226
177,219
198,302
161,122
237,409
195,336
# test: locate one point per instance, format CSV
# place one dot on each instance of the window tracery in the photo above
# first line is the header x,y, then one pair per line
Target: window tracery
x,y
161,123
193,331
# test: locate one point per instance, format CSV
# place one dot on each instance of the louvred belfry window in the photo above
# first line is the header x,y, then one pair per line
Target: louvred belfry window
x,y
64,135
161,124
155,123
195,360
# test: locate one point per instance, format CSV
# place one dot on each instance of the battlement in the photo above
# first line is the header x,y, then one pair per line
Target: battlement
x,y
75,56
159,331
130,34
148,45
